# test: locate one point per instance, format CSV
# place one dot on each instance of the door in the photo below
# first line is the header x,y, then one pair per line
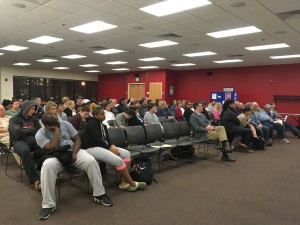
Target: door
x,y
155,91
136,91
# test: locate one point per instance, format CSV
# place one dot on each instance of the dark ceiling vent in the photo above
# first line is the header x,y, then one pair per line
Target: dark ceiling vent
x,y
49,56
234,55
173,61
295,14
169,35
39,2
98,47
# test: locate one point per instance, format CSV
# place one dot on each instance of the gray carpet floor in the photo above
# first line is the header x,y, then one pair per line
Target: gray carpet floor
x,y
261,188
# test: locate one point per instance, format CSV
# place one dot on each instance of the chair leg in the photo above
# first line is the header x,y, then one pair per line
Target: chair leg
x,y
6,169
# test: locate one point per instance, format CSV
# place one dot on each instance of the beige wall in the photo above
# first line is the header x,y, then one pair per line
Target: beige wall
x,y
7,73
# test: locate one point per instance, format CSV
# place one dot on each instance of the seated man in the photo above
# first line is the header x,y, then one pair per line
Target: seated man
x,y
151,117
286,124
201,127
53,136
22,128
266,120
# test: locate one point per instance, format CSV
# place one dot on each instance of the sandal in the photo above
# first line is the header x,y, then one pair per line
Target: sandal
x,y
37,185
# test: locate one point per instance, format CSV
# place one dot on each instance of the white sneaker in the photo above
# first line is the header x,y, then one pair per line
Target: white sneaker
x,y
284,141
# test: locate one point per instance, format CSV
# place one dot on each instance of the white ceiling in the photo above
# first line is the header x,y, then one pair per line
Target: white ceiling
x,y
55,17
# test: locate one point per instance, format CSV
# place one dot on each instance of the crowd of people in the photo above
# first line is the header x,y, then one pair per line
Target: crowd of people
x,y
82,126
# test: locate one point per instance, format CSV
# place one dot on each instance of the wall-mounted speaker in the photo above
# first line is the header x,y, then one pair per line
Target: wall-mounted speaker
x,y
136,75
209,73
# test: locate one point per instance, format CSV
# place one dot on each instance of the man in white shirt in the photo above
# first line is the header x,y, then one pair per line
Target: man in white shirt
x,y
150,116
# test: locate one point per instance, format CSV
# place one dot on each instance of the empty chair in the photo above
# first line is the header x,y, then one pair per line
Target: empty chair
x,y
185,144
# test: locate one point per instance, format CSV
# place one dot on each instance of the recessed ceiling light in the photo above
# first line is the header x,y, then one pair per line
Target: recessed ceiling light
x,y
120,69
152,59
13,48
183,64
173,6
61,68
264,47
234,32
229,61
116,62
285,56
45,40
92,71
148,67
74,56
88,65
18,5
21,64
158,44
47,60
109,51
1,53
199,54
238,4
93,27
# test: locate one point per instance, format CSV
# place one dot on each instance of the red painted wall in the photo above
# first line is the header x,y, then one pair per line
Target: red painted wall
x,y
257,83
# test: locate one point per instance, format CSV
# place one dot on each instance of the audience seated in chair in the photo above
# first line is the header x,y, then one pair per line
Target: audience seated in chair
x,y
265,118
15,108
22,128
122,105
108,114
4,135
216,113
143,108
179,111
151,117
233,125
70,108
135,120
122,118
97,143
188,110
286,124
79,120
245,120
51,137
201,127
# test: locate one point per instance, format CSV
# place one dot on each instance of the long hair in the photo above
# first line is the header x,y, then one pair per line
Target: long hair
x,y
225,107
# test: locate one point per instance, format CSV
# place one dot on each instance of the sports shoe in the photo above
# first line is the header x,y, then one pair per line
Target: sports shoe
x,y
284,141
104,200
141,185
45,213
270,140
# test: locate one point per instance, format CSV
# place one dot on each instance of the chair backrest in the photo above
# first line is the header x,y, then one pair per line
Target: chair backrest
x,y
111,123
154,133
171,130
135,135
117,136
184,129
162,119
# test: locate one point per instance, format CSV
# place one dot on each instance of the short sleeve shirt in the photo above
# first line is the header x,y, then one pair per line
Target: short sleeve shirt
x,y
67,131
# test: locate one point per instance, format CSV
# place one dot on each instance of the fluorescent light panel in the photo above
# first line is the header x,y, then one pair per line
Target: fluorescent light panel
x,y
21,64
152,59
45,40
109,51
196,54
116,62
74,56
285,56
229,61
120,69
61,68
234,32
88,65
148,67
13,48
93,27
1,53
183,64
47,60
173,6
264,47
93,71
157,44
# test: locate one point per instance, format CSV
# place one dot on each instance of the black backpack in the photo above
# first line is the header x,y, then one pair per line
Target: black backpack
x,y
258,143
141,170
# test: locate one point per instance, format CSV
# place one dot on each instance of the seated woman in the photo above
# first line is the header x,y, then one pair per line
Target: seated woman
x,y
70,108
179,111
163,110
216,113
97,143
79,121
244,117
108,114
135,120
233,125
122,105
